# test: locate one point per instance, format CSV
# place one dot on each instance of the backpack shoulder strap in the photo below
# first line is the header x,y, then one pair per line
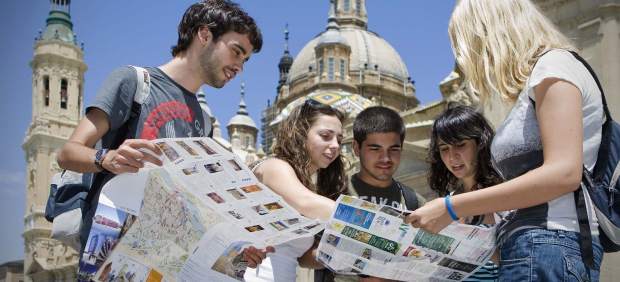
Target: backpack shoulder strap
x,y
411,199
143,86
598,83
208,125
585,244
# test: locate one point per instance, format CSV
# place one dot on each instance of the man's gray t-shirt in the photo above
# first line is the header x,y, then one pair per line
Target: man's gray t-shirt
x,y
169,111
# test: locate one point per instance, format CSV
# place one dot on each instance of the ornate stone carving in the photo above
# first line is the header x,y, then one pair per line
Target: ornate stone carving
x,y
462,94
456,90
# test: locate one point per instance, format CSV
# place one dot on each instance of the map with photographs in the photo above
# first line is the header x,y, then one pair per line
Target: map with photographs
x,y
366,238
187,220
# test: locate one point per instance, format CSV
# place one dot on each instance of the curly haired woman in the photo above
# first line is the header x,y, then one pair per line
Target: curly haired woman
x,y
307,146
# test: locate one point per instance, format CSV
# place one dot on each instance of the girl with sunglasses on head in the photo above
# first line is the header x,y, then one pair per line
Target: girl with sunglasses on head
x,y
460,162
308,172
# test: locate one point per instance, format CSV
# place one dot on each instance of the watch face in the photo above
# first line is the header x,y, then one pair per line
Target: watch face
x,y
99,157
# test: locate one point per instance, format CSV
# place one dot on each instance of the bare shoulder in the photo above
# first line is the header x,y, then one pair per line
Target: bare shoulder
x,y
273,167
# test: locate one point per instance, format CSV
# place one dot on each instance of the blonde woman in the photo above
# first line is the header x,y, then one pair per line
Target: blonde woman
x,y
508,48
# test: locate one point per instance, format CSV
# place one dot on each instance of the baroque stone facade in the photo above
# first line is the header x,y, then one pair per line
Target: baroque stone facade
x,y
57,96
346,57
242,132
349,58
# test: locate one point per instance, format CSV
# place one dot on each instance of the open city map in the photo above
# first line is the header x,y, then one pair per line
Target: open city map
x,y
366,238
191,218
187,220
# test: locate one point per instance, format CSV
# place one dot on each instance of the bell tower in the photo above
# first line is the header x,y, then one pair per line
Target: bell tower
x,y
241,128
333,54
57,97
285,62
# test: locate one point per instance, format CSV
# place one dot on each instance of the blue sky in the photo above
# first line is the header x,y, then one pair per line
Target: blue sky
x,y
140,32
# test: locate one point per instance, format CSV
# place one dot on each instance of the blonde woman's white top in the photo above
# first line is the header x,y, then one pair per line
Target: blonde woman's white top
x,y
517,146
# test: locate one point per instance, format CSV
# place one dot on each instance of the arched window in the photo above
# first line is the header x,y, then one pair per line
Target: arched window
x,y
358,7
46,90
320,67
330,69
247,141
63,93
347,5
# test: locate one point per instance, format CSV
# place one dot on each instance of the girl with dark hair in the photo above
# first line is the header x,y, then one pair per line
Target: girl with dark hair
x,y
460,155
460,160
307,146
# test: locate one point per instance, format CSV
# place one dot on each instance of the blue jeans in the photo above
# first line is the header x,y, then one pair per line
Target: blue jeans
x,y
546,255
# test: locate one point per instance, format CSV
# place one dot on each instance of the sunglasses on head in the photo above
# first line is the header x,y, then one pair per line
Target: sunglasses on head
x,y
313,103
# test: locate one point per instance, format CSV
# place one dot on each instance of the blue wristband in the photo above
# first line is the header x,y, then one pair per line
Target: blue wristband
x,y
450,209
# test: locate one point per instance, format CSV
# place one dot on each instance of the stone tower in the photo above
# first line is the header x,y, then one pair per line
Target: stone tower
x,y
285,61
351,13
333,53
241,128
57,97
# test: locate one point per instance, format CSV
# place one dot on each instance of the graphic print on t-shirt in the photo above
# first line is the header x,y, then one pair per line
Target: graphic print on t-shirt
x,y
168,111
380,201
390,196
164,114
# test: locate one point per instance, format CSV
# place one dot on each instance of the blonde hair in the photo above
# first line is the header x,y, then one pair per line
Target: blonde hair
x,y
497,42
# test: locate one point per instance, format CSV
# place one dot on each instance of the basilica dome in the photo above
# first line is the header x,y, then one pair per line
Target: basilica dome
x,y
344,58
367,50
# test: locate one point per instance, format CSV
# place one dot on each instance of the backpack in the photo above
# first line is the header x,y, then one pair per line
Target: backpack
x,y
70,192
601,186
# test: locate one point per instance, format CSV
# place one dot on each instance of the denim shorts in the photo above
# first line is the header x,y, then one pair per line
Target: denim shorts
x,y
547,255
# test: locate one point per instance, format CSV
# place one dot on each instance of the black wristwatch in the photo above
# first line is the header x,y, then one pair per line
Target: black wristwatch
x,y
99,156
